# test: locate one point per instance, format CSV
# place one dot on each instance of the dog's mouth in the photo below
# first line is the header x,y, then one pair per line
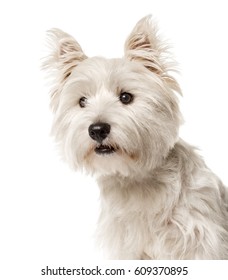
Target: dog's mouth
x,y
104,150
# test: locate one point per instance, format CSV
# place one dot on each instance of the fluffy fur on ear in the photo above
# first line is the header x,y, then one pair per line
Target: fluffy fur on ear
x,y
144,45
66,54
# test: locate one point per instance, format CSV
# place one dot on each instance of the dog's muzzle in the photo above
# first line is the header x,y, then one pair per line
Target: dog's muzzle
x,y
98,132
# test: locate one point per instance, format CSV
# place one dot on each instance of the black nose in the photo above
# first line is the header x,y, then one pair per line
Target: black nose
x,y
99,131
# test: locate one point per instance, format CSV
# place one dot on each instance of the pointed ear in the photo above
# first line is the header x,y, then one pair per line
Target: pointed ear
x,y
144,46
65,55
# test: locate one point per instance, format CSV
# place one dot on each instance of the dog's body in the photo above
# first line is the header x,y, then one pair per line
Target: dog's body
x,y
119,119
178,211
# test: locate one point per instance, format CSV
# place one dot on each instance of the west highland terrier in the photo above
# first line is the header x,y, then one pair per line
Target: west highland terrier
x,y
119,120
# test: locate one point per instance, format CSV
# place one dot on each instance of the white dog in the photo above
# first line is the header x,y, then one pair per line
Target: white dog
x,y
119,119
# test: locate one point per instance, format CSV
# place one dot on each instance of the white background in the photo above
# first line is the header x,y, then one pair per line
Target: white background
x,y
47,212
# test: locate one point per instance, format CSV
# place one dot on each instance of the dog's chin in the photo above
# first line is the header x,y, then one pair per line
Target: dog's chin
x,y
108,159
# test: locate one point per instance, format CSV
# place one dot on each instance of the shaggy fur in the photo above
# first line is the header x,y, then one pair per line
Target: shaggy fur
x,y
159,200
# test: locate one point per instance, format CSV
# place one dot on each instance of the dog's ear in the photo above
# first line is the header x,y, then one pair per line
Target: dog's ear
x,y
144,46
65,55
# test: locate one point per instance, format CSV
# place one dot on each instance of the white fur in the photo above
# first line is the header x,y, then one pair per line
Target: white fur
x,y
158,198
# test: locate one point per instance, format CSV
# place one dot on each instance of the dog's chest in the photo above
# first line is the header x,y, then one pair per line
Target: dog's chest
x,y
128,217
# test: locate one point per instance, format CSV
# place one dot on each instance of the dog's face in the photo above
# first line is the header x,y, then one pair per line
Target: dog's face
x,y
114,115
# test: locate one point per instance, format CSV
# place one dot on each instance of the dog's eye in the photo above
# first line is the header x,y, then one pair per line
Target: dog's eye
x,y
126,98
82,102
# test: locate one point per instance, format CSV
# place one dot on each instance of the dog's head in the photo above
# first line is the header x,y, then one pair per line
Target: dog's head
x,y
114,115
